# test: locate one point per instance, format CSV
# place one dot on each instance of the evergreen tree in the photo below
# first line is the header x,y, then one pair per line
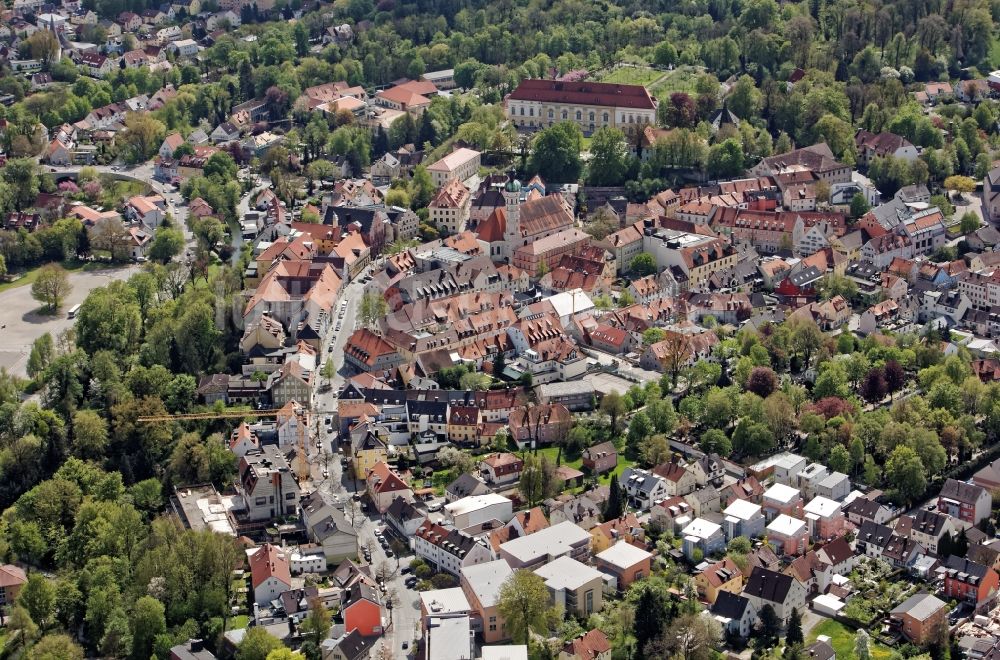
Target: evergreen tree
x,y
380,145
651,613
770,625
614,506
793,636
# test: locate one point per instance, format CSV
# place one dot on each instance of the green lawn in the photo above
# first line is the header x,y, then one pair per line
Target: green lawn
x,y
631,75
552,452
238,622
842,640
679,80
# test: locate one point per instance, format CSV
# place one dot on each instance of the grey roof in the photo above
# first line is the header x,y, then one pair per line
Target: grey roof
x,y
352,645
805,276
920,606
821,651
465,485
872,532
961,491
730,605
769,585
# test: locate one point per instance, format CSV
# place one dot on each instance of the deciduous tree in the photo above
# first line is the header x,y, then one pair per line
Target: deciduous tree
x,y
524,605
51,286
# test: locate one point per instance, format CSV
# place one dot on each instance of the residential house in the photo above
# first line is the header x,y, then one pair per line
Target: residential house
x,y
591,645
748,489
678,479
626,562
12,578
448,549
672,514
824,518
969,582
743,518
501,469
368,352
403,517
329,528
573,586
872,538
965,501
563,539
367,453
781,499
702,536
870,146
919,617
539,425
600,458
481,584
449,209
735,613
782,592
466,485
862,509
788,536
267,485
269,574
721,576
926,528
643,487
384,485
362,610
624,528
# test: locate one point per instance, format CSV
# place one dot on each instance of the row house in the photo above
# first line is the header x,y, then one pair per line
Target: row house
x,y
969,582
925,527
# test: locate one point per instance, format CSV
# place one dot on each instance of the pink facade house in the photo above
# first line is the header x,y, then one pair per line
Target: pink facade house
x,y
781,499
825,519
788,536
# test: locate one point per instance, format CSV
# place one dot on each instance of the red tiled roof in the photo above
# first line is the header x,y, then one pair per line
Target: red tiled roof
x,y
584,93
269,561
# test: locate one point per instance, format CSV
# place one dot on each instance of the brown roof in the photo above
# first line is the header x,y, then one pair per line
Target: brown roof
x,y
588,646
722,572
366,347
11,576
546,214
584,93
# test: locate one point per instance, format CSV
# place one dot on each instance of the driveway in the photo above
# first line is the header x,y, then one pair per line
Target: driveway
x,y
22,323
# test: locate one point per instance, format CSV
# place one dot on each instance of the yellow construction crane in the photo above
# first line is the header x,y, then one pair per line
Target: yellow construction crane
x,y
302,467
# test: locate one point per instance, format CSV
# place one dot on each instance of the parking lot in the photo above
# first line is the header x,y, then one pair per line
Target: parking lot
x,y
23,324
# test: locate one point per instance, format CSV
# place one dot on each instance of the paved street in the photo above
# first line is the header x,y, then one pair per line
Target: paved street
x,y
338,488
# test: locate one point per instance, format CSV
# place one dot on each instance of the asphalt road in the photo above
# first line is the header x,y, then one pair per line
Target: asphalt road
x,y
337,488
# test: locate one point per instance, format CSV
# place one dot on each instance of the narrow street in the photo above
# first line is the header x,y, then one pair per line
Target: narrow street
x,y
338,488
